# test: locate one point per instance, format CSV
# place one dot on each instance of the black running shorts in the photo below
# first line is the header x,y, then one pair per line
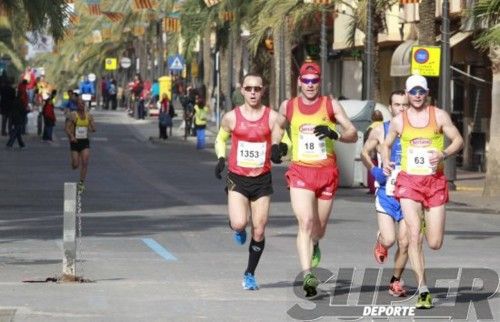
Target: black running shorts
x,y
251,187
80,145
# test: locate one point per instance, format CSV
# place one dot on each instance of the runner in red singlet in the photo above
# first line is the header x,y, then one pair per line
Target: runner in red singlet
x,y
249,169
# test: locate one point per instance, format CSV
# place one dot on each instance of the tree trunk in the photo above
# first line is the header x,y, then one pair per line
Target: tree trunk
x,y
427,24
274,101
224,77
492,182
237,56
288,63
208,78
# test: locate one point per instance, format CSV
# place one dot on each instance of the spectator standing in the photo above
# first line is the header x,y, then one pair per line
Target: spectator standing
x,y
7,96
18,119
49,119
165,118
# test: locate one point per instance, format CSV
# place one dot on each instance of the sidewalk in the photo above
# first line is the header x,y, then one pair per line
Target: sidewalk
x,y
469,193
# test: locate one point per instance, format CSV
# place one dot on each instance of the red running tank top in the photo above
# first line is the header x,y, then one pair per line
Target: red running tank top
x,y
250,145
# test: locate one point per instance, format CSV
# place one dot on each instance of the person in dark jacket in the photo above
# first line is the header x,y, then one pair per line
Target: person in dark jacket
x,y
7,96
18,117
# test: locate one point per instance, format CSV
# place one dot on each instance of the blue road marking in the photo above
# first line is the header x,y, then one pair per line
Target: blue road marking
x,y
159,249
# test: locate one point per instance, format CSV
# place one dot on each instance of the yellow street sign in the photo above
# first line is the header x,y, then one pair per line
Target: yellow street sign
x,y
426,60
110,64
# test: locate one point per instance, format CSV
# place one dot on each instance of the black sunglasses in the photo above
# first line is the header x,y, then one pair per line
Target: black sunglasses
x,y
256,89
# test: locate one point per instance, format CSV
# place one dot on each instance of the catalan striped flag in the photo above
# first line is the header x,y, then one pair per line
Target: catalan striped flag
x,y
211,3
408,1
113,16
144,4
74,18
171,24
94,7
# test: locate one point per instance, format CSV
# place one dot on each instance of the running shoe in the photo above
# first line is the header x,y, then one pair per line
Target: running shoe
x,y
240,237
316,258
310,284
249,282
80,187
380,252
424,301
397,288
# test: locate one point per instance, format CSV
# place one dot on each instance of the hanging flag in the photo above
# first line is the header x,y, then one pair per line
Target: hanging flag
x,y
113,16
211,3
144,4
408,1
138,30
74,19
106,33
94,7
226,16
96,36
171,24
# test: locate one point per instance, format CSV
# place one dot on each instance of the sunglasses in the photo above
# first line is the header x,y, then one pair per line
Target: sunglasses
x,y
308,81
256,89
417,91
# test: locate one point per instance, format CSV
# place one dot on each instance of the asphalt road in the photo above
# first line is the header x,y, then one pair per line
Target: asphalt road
x,y
156,244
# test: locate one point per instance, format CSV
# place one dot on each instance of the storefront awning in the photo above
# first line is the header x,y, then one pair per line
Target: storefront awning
x,y
400,62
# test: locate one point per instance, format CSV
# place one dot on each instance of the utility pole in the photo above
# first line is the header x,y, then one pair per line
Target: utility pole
x,y
368,66
450,168
323,53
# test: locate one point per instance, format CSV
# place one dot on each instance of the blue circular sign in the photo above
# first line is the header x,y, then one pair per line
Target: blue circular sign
x,y
421,55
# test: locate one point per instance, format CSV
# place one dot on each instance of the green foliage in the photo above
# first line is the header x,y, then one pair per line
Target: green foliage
x,y
486,15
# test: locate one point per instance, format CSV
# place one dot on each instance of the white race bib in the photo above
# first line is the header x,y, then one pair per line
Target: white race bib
x,y
418,161
311,148
391,181
251,154
81,132
86,97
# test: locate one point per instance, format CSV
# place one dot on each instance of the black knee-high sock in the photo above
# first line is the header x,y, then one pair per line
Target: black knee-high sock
x,y
254,251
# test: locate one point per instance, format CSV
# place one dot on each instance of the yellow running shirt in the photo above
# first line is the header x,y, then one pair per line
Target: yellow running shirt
x,y
417,142
82,127
308,150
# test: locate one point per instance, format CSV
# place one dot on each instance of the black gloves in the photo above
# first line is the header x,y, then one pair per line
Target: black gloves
x,y
219,167
283,149
276,153
323,131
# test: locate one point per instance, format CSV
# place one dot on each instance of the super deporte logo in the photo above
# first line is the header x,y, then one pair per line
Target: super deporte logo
x,y
351,293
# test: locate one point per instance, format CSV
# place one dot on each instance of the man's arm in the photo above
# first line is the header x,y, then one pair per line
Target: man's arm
x,y
451,132
220,142
349,135
370,145
280,124
385,148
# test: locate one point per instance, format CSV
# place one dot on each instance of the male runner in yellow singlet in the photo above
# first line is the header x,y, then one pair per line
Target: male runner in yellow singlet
x,y
313,175
421,184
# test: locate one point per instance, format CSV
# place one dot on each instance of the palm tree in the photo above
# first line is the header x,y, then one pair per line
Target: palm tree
x,y
359,21
486,14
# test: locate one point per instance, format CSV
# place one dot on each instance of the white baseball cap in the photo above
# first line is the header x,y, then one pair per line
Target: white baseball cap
x,y
416,81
